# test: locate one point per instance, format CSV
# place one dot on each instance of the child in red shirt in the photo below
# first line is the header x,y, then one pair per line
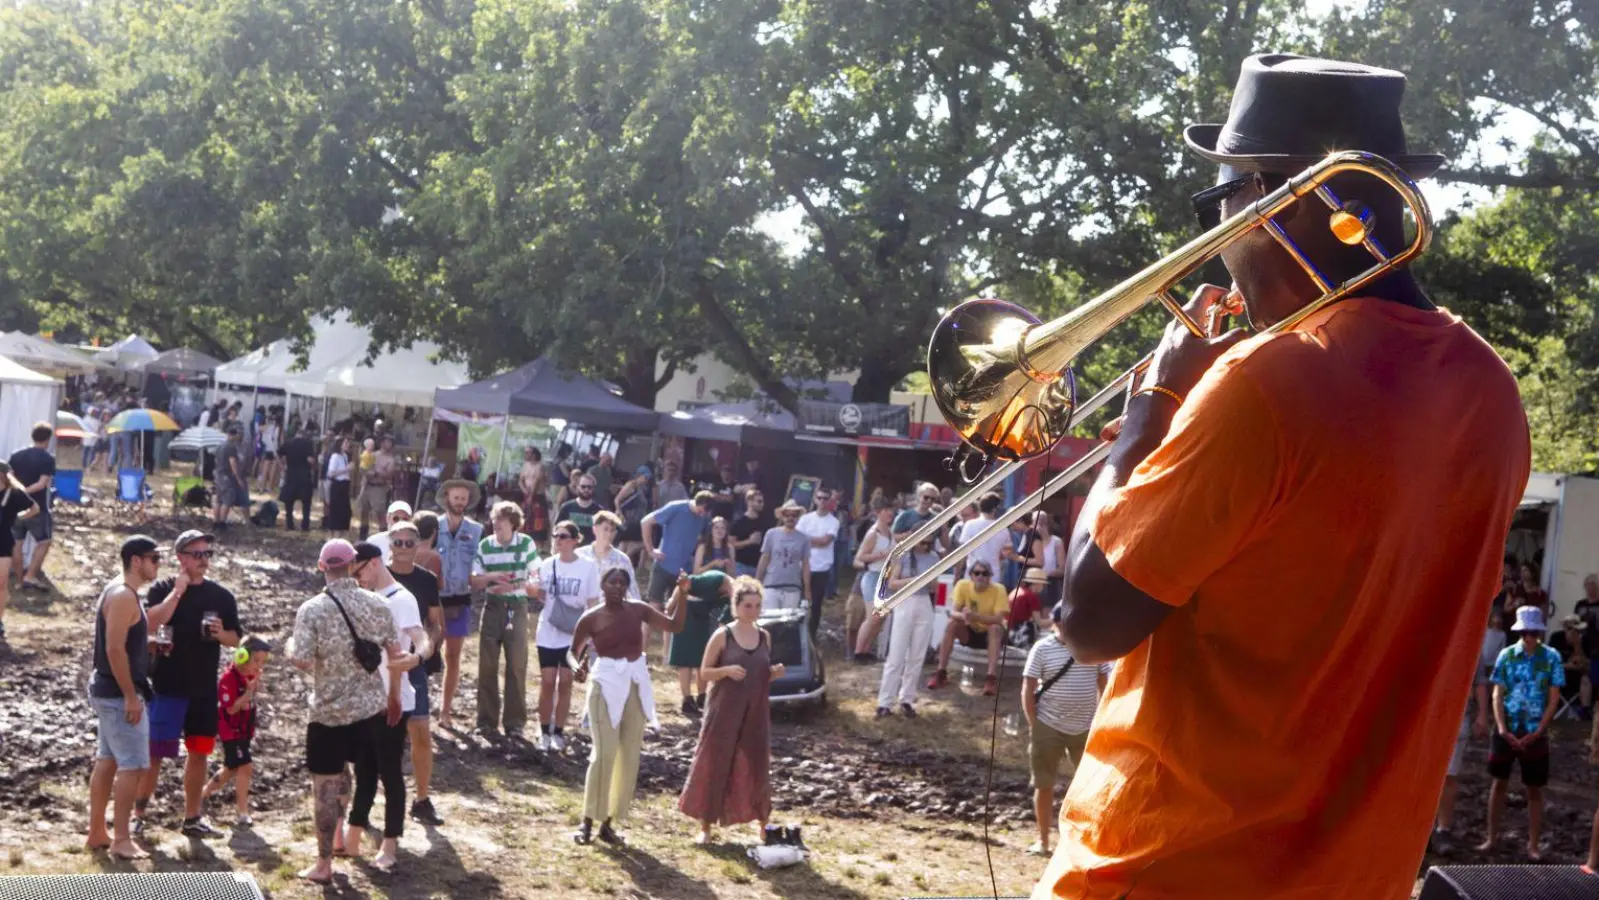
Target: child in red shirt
x,y
236,721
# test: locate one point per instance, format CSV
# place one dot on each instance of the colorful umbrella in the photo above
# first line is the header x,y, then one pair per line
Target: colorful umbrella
x,y
142,420
66,421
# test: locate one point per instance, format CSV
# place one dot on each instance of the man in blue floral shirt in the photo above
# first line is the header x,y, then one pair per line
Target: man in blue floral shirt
x,y
1527,679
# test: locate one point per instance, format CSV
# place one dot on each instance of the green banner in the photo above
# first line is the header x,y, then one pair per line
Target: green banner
x,y
483,440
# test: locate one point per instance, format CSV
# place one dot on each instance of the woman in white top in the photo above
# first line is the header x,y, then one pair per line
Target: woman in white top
x,y
1048,553
336,509
875,544
269,435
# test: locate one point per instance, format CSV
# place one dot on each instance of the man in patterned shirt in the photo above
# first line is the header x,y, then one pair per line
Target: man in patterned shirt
x,y
347,701
1527,679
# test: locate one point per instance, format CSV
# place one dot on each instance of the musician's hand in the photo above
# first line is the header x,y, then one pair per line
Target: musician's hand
x,y
1182,359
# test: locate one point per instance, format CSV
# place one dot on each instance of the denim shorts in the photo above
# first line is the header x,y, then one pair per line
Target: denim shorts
x,y
458,621
419,681
128,744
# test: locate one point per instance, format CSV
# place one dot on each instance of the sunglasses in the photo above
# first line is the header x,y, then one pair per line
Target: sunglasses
x,y
403,545
197,554
563,536
1208,202
153,557
981,573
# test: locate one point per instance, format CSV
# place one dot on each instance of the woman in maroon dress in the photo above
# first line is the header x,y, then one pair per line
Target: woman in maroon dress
x,y
729,782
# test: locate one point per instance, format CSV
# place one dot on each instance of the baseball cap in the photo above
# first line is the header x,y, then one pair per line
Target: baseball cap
x,y
399,506
643,470
367,550
189,537
138,545
336,552
256,644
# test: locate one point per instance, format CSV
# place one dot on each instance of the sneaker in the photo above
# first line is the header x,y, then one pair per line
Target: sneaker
x,y
884,712
198,828
558,742
243,822
939,679
422,811
1441,842
865,659
907,710
546,743
990,686
1037,848
689,709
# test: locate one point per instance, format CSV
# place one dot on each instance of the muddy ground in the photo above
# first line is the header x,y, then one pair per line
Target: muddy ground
x,y
837,773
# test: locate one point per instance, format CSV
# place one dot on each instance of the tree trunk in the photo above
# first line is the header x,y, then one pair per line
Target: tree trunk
x,y
878,378
638,377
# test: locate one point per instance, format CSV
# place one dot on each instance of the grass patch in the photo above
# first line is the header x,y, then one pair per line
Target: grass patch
x,y
882,879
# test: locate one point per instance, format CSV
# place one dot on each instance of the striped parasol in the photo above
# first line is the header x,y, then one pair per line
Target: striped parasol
x,y
142,420
198,438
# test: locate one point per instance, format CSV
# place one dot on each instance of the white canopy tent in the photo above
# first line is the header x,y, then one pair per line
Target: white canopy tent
x,y
336,369
26,399
45,356
128,352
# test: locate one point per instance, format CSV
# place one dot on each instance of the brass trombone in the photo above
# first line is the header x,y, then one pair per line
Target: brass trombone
x,y
1002,378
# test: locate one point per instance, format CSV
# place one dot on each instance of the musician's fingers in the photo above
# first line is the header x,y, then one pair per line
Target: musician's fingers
x,y
1111,430
1208,295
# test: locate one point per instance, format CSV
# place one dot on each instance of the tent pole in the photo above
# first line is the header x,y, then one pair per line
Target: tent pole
x,y
427,443
499,465
324,414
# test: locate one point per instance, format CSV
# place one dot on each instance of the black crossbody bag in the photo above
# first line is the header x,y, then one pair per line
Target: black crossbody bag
x,y
1039,694
368,653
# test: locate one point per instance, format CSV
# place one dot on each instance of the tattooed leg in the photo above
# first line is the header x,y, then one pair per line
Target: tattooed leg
x,y
326,789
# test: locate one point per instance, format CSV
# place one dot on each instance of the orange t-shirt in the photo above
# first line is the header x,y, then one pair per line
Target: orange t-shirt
x,y
1327,518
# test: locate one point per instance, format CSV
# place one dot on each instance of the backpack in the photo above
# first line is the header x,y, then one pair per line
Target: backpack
x,y
266,516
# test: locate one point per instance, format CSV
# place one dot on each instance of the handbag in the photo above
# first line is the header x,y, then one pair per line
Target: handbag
x,y
368,653
562,617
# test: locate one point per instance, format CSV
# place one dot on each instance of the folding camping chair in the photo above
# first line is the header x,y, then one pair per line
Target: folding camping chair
x,y
67,485
132,491
181,488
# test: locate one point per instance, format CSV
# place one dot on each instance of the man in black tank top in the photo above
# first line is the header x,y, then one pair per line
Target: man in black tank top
x,y
117,690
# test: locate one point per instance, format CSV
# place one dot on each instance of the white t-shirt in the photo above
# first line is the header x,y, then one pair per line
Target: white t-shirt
x,y
381,541
403,607
1054,556
576,584
613,558
338,467
989,552
815,525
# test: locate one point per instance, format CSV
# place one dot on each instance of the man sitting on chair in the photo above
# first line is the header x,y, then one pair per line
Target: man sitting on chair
x,y
979,605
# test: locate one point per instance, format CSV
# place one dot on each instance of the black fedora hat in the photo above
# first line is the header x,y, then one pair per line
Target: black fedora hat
x,y
1289,112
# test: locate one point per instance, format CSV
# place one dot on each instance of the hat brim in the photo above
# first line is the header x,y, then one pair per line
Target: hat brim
x,y
1519,627
177,546
1201,139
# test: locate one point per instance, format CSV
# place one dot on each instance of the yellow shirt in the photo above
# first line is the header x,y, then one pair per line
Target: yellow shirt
x,y
989,602
367,457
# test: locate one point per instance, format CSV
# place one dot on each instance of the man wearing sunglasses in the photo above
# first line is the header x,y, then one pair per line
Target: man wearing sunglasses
x,y
204,618
1362,466
977,619
405,543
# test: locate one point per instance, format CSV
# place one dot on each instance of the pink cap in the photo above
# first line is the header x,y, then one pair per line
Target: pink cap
x,y
337,552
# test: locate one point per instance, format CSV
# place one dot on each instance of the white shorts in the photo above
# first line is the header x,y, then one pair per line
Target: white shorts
x,y
781,598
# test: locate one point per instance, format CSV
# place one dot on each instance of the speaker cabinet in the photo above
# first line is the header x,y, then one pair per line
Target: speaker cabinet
x,y
155,886
1509,883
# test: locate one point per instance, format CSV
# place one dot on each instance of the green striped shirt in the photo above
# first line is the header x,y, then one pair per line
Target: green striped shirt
x,y
518,558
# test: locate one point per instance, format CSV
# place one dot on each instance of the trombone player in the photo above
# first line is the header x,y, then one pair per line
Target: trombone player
x,y
1289,547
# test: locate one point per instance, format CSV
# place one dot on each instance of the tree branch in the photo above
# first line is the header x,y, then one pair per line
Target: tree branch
x,y
1499,177
666,375
745,358
403,177
832,247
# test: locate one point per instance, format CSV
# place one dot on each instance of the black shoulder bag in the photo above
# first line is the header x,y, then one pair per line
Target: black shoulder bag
x,y
368,653
1039,694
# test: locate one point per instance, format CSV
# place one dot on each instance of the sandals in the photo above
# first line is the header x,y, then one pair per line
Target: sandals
x,y
611,837
584,835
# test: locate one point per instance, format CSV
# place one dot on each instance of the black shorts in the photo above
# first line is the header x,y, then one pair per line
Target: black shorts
x,y
329,747
631,531
1534,759
553,659
269,455
235,754
974,639
39,526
